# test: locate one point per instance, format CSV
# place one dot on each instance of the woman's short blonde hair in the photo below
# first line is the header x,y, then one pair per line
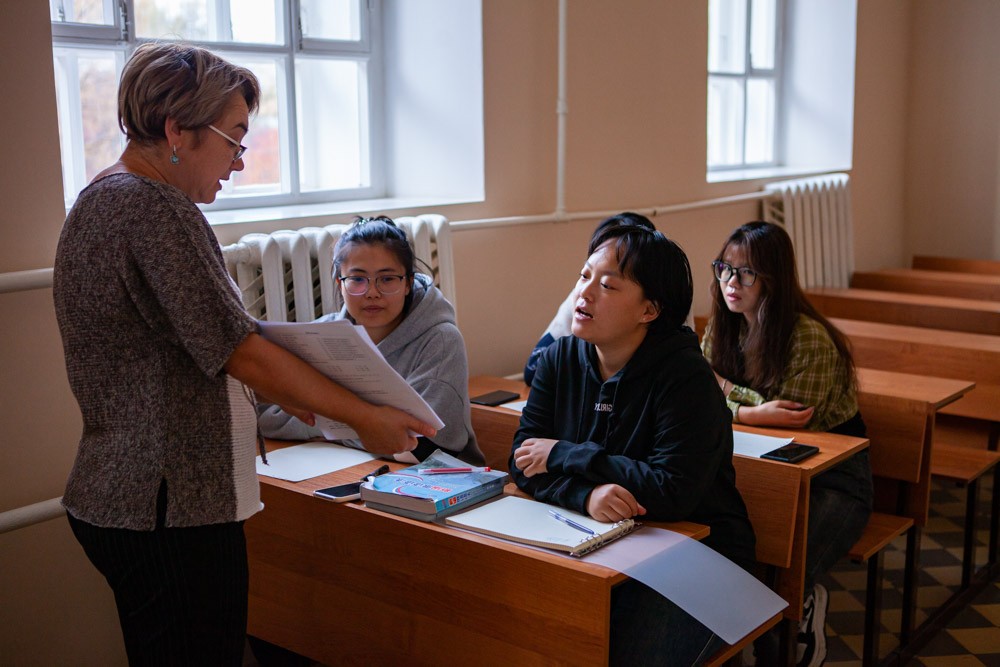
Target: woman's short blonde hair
x,y
187,83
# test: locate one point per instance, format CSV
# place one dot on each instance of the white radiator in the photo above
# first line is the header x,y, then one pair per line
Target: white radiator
x,y
816,212
287,276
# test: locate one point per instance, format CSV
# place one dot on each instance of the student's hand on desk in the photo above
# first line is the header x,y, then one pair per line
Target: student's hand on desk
x,y
385,430
611,502
788,414
533,454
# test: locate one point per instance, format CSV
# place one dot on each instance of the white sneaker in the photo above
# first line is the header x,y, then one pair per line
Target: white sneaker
x,y
811,651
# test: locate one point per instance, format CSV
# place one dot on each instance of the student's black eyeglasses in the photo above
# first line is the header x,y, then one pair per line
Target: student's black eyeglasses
x,y
724,272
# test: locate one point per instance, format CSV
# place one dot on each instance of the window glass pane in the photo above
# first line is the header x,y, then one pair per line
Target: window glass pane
x,y
257,21
760,121
253,21
87,100
332,141
762,30
331,19
725,121
727,23
263,171
95,12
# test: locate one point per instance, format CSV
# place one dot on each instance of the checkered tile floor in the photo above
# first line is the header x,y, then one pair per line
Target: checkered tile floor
x,y
971,638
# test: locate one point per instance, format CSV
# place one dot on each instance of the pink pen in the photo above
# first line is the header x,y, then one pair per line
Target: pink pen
x,y
446,471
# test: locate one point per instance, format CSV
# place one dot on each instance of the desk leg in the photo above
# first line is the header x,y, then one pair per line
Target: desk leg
x,y
910,582
994,520
969,540
873,610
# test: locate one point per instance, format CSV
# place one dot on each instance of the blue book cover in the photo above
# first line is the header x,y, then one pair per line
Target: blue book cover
x,y
417,490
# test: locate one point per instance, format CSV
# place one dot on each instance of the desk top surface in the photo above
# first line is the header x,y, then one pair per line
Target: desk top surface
x,y
920,335
934,391
354,473
906,298
833,447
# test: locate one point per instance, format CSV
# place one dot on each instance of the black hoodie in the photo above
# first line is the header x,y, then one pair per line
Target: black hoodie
x,y
659,427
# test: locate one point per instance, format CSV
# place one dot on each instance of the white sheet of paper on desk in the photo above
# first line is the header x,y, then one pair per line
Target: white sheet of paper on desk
x,y
310,459
717,592
344,353
754,444
518,406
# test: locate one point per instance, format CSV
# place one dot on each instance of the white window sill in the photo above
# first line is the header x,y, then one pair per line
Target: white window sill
x,y
302,215
764,173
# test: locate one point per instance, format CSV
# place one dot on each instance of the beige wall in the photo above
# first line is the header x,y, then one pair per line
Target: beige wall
x,y
953,148
635,139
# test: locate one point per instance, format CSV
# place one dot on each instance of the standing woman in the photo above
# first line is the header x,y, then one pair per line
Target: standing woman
x,y
780,363
414,327
163,360
624,420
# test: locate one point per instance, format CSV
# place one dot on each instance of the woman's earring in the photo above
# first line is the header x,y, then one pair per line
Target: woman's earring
x,y
173,156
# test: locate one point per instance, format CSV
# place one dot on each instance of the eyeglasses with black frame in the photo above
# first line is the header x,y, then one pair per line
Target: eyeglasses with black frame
x,y
724,273
386,284
240,148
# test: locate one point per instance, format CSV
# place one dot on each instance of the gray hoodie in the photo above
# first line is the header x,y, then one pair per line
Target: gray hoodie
x,y
427,349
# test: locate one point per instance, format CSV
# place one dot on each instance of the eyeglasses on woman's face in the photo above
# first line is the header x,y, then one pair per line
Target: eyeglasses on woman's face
x,y
240,148
386,284
724,272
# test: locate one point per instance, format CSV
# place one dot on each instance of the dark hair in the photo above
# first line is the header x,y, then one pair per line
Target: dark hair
x,y
760,362
648,258
188,83
380,230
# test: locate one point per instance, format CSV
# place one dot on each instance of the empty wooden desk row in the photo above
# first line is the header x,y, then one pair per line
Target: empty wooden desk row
x,y
957,264
975,418
922,281
921,310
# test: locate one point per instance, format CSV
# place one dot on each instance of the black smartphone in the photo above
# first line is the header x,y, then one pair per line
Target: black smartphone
x,y
340,493
498,397
791,453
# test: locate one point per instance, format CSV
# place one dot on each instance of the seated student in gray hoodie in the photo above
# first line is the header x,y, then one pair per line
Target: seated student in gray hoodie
x,y
412,324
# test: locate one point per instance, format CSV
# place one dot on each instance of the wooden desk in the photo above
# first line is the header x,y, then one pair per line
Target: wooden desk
x,y
920,310
948,354
781,544
921,281
986,266
343,584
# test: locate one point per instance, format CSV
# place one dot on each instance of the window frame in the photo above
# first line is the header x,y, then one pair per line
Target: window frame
x,y
774,74
120,39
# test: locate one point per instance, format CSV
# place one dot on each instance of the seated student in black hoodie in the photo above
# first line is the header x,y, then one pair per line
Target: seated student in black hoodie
x,y
625,419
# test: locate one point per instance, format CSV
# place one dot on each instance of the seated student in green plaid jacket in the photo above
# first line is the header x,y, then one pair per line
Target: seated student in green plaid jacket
x,y
781,363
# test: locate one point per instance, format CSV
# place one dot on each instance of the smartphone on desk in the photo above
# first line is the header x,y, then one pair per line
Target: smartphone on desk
x,y
494,398
791,453
340,493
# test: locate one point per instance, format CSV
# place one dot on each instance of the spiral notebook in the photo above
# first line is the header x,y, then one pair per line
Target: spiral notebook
x,y
532,522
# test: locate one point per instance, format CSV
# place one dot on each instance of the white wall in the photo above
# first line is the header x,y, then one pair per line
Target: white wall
x,y
635,139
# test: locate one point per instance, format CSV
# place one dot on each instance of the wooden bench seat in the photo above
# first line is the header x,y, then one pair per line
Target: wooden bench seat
x,y
965,467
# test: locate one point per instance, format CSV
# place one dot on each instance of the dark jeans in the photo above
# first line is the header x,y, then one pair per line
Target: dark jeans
x,y
649,629
181,593
840,503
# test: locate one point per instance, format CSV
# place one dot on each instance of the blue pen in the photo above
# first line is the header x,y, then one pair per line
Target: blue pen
x,y
570,522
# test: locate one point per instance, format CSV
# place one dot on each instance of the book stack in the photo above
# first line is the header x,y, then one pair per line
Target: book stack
x,y
437,487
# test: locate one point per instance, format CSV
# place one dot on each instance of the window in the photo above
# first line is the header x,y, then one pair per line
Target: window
x,y
318,62
744,81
